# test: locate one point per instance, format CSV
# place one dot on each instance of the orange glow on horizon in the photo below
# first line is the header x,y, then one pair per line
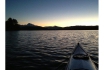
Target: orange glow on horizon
x,y
66,22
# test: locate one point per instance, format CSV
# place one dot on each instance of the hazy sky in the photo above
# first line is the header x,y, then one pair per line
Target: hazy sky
x,y
53,12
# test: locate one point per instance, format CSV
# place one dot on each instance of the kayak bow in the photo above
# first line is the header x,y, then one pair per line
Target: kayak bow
x,y
80,60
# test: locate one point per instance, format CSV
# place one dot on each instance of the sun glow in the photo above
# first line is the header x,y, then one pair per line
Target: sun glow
x,y
68,22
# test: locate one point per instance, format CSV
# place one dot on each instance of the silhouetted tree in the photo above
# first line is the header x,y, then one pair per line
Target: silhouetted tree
x,y
12,24
15,22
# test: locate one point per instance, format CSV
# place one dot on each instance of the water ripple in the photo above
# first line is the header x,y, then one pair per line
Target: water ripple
x,y
36,50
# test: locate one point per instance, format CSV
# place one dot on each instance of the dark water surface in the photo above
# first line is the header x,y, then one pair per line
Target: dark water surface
x,y
46,50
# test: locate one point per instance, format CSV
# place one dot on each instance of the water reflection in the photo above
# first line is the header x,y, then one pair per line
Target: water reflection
x,y
36,50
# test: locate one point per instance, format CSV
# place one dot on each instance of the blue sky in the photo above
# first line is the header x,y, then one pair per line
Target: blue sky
x,y
53,12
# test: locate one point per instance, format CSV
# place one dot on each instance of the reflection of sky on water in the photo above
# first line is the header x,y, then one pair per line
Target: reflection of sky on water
x,y
36,48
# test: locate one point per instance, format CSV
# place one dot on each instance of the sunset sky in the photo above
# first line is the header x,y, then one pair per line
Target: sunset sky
x,y
53,12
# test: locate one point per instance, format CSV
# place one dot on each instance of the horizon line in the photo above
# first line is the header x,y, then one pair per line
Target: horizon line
x,y
57,25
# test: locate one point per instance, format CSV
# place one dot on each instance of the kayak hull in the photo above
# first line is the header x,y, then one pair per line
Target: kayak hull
x,y
80,60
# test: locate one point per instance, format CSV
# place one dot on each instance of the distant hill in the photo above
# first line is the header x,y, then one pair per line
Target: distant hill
x,y
30,26
53,28
12,24
34,27
81,28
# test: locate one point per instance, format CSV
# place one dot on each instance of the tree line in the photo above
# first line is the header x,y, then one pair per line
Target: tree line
x,y
12,25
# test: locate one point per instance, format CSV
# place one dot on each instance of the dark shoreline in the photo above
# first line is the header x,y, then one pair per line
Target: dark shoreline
x,y
12,25
25,27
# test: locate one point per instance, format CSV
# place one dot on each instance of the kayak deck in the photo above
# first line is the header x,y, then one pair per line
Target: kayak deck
x,y
80,60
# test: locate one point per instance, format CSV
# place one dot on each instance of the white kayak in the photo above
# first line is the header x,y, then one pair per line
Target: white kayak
x,y
80,60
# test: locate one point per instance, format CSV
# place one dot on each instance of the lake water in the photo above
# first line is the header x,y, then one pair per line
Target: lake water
x,y
46,50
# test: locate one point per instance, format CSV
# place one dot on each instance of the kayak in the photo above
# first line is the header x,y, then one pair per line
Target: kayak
x,y
80,60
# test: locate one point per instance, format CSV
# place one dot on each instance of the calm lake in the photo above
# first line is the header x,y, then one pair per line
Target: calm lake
x,y
46,50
